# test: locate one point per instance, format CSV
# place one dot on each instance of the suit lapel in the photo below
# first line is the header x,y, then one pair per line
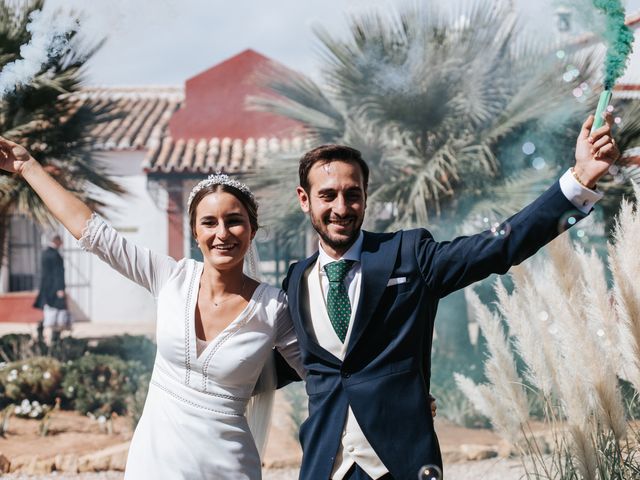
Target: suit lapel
x,y
378,259
302,323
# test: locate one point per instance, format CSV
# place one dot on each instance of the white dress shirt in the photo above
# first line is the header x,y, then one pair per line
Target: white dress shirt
x,y
354,447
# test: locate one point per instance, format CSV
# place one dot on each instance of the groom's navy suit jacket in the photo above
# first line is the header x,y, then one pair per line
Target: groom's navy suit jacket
x,y
385,375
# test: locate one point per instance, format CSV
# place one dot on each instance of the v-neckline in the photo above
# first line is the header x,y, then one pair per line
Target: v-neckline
x,y
222,334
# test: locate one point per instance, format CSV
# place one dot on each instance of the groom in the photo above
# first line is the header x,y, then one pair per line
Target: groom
x,y
364,306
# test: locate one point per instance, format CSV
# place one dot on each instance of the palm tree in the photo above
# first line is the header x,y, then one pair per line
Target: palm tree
x,y
462,119
38,117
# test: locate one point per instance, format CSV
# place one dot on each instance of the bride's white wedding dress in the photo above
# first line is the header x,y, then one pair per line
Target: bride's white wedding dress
x,y
193,425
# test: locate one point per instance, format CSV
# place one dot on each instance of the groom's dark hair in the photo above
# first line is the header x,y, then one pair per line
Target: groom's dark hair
x,y
329,153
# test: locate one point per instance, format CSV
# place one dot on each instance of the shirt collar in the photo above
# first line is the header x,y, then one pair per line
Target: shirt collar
x,y
352,254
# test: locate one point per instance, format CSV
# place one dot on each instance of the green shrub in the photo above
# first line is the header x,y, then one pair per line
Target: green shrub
x,y
16,346
128,347
137,399
100,384
69,348
35,379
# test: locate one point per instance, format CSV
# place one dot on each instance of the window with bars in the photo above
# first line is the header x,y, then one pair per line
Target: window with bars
x,y
24,254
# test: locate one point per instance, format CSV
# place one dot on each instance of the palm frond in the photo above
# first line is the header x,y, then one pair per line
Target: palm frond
x,y
300,99
441,105
40,117
502,199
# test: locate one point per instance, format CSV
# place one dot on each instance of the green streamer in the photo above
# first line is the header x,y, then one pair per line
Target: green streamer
x,y
619,39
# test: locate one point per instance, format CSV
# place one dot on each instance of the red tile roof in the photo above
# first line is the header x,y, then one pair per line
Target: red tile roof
x,y
205,130
216,102
627,91
216,154
141,114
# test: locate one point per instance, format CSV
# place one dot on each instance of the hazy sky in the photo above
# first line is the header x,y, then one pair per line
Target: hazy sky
x,y
164,42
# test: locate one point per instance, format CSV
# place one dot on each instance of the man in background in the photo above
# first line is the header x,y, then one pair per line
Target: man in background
x,y
51,297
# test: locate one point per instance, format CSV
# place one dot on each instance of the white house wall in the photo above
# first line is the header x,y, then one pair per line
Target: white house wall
x,y
141,217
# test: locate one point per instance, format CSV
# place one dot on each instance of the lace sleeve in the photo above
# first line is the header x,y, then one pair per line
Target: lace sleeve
x,y
139,265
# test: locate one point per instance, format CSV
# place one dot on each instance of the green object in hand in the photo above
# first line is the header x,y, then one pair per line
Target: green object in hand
x,y
603,103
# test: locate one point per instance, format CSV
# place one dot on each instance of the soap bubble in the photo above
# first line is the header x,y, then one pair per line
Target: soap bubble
x,y
528,148
430,472
538,163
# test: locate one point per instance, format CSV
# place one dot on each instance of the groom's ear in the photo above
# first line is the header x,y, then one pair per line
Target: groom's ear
x,y
303,198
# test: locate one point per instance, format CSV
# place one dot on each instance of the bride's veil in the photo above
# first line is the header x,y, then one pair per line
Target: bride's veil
x,y
260,406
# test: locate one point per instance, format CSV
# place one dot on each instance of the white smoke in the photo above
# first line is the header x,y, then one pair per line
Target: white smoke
x,y
91,21
49,32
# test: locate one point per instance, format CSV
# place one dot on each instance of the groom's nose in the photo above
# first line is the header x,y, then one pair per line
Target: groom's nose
x,y
339,206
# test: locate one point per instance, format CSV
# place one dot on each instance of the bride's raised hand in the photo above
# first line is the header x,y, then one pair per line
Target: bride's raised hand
x,y
65,206
13,157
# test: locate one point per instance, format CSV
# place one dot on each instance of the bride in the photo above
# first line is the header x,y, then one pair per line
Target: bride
x,y
216,327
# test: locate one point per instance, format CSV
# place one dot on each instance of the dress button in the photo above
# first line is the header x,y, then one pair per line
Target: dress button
x,y
350,449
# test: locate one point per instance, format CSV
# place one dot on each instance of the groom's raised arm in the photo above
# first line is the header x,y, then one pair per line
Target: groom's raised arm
x,y
449,266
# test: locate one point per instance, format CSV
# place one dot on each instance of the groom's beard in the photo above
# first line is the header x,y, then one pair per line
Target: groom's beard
x,y
340,242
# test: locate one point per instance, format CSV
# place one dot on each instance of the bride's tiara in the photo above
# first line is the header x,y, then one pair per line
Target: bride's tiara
x,y
220,179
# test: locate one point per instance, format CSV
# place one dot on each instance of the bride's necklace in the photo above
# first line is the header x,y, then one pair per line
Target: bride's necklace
x,y
230,296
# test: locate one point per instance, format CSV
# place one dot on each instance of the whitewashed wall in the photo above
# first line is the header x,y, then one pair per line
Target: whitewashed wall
x,y
139,215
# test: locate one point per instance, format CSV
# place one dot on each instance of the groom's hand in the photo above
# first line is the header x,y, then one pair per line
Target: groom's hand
x,y
595,152
434,407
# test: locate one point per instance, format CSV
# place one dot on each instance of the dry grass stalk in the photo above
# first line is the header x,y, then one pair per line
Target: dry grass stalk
x,y
611,408
629,326
585,454
506,387
569,326
500,367
624,263
565,270
599,307
531,338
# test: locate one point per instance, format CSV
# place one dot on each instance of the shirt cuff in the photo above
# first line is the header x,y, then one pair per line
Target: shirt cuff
x,y
582,198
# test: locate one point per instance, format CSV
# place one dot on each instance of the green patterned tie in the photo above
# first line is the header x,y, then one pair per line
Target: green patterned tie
x,y
338,305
